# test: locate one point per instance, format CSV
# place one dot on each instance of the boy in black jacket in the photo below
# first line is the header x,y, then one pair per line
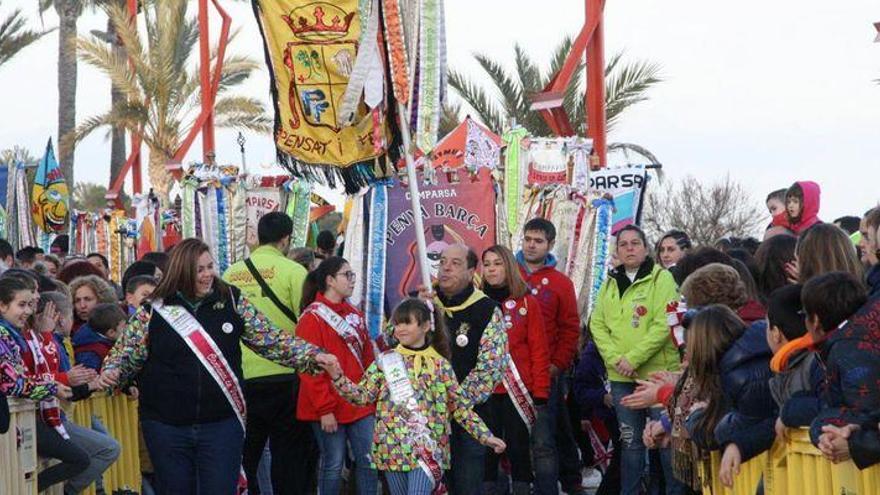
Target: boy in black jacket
x,y
798,375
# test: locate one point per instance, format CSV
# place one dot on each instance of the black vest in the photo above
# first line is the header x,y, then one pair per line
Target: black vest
x,y
476,316
175,388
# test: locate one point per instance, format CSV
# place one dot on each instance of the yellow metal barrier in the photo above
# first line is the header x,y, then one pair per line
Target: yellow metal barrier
x,y
18,450
119,414
793,466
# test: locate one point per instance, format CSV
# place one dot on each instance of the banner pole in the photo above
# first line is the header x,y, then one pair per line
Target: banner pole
x,y
414,196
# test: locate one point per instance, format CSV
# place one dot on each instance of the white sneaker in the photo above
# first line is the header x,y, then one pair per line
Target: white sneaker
x,y
592,478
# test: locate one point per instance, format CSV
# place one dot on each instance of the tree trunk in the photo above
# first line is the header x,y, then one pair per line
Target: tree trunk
x,y
117,135
160,179
68,13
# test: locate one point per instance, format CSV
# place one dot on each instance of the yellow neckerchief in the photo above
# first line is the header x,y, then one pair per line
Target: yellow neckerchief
x,y
476,296
427,355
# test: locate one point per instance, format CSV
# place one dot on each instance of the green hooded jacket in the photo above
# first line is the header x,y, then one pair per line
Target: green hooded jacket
x,y
633,324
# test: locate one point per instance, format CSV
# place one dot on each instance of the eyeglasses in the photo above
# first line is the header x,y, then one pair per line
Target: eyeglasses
x,y
350,275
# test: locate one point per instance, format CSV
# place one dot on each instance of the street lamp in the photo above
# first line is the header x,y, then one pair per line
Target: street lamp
x,y
241,140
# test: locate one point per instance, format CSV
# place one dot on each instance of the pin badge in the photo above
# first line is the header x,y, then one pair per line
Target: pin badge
x,y
227,327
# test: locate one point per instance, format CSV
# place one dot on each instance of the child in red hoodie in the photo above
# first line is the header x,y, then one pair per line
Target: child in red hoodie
x,y
330,322
801,207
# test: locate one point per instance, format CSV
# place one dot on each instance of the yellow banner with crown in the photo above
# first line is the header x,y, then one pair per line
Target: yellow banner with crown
x,y
311,49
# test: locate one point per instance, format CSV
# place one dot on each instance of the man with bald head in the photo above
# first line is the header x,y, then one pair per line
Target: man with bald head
x,y
479,355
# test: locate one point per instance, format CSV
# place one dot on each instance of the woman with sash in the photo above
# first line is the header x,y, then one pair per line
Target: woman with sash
x,y
417,396
526,384
330,322
183,348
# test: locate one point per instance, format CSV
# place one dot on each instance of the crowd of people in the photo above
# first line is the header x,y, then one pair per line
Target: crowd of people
x,y
267,378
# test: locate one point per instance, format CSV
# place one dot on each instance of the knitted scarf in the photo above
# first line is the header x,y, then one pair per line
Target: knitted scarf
x,y
685,454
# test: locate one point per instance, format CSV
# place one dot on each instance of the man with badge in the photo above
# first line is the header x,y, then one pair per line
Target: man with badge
x,y
479,354
273,283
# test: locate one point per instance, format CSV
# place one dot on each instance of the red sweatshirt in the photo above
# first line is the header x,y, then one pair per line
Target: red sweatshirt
x,y
555,293
50,352
527,345
317,396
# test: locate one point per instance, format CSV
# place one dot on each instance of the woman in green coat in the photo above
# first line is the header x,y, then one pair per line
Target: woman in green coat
x,y
629,328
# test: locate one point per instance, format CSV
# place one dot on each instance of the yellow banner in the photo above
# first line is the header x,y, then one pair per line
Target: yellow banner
x,y
311,50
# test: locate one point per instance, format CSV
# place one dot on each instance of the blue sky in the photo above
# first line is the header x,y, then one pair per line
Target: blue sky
x,y
769,92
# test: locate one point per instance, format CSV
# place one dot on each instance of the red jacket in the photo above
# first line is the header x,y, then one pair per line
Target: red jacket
x,y
555,293
317,396
527,345
809,209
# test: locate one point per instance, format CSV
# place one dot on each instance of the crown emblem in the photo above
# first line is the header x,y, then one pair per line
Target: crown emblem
x,y
311,21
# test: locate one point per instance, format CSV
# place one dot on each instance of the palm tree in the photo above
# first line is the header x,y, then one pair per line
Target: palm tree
x,y
625,85
161,87
88,196
68,14
13,35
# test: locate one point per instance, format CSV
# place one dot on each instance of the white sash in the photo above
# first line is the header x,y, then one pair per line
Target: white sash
x,y
203,346
342,327
517,391
403,395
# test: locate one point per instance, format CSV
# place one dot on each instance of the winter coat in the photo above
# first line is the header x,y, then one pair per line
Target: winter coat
x,y
873,280
317,396
851,354
809,210
526,342
629,320
589,384
90,347
745,380
285,277
555,292
796,390
175,388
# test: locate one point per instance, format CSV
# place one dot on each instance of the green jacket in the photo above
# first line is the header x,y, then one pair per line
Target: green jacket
x,y
285,277
633,325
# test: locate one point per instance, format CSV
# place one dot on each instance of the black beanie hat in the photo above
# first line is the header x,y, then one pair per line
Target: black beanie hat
x,y
784,311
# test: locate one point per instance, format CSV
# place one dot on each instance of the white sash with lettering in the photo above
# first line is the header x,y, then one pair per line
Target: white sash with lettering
x,y
342,327
203,346
516,388
402,395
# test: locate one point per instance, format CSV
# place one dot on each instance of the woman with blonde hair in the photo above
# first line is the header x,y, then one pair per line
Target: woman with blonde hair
x,y
87,292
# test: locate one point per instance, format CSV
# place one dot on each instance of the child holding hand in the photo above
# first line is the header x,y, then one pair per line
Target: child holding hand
x,y
416,395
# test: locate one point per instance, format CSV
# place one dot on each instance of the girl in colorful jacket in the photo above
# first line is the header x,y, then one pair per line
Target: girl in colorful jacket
x,y
511,413
417,395
331,323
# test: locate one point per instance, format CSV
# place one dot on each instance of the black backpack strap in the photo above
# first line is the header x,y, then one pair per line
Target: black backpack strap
x,y
267,291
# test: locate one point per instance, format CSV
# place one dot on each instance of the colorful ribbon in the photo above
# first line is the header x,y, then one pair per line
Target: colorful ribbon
x,y
376,260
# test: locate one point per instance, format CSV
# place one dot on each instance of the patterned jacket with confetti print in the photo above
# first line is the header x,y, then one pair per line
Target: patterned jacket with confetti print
x,y
440,400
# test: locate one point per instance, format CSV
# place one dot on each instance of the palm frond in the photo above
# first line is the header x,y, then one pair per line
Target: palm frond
x,y
474,96
243,113
14,37
508,90
627,86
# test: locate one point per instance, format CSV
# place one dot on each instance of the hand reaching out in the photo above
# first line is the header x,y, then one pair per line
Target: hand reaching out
x,y
63,391
79,374
644,396
730,464
107,379
496,444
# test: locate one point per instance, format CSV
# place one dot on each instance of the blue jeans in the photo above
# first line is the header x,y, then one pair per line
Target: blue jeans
x,y
544,450
264,471
415,482
202,459
633,459
468,463
333,450
103,451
